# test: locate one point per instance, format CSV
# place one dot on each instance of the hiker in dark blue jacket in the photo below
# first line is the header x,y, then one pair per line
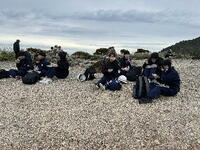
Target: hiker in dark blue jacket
x,y
110,70
16,47
125,63
62,66
23,64
152,66
169,78
43,66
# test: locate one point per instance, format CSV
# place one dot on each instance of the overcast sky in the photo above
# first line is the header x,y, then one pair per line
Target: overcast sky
x,y
91,24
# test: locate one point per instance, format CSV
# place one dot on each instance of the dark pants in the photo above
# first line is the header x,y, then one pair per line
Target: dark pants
x,y
148,72
105,79
156,91
61,74
14,73
49,73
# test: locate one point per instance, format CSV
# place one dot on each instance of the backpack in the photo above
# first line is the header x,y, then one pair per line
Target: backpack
x,y
31,78
114,85
4,74
134,73
141,89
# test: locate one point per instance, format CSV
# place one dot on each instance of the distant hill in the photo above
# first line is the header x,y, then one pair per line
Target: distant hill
x,y
189,47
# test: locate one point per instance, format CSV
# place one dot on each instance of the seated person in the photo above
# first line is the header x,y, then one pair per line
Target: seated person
x,y
110,70
125,63
23,64
152,66
44,67
62,66
169,78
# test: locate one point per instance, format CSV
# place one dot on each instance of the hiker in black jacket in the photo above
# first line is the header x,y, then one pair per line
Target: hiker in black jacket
x,y
62,66
170,80
125,63
16,47
23,64
110,70
152,66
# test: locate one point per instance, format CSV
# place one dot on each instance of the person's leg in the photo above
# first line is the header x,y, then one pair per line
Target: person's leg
x,y
167,91
154,92
146,72
50,72
13,73
103,80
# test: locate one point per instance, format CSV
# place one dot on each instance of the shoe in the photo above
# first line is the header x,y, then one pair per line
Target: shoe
x,y
102,86
45,81
97,85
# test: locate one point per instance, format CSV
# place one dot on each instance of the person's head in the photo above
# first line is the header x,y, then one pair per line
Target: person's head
x,y
21,55
59,47
51,48
112,57
154,57
18,41
167,64
62,55
126,54
41,55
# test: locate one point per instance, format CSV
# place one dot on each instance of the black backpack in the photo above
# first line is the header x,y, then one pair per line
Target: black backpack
x,y
4,74
134,73
141,89
31,78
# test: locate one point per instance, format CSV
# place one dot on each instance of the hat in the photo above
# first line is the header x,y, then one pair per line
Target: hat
x,y
81,77
122,79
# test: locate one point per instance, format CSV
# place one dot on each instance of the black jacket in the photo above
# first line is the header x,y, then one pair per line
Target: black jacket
x,y
16,47
124,62
62,70
171,78
111,65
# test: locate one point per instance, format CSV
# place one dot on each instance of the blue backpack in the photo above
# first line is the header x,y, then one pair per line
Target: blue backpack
x,y
114,85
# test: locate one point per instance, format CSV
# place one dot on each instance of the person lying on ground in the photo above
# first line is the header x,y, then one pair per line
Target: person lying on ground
x,y
23,64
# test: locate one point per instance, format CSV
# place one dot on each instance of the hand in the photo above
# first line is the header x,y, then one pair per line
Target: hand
x,y
17,61
110,70
54,65
155,76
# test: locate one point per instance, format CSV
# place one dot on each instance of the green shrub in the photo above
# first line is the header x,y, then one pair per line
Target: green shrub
x,y
7,56
82,55
140,56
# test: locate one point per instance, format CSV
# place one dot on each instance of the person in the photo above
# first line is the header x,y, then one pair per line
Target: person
x,y
16,47
62,66
125,63
168,83
23,64
44,68
169,54
110,70
152,66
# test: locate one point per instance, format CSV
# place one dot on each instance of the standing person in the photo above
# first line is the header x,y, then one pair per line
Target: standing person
x,y
62,66
16,47
110,71
125,63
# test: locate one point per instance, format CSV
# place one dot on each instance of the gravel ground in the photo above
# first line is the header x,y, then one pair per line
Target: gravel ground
x,y
69,115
